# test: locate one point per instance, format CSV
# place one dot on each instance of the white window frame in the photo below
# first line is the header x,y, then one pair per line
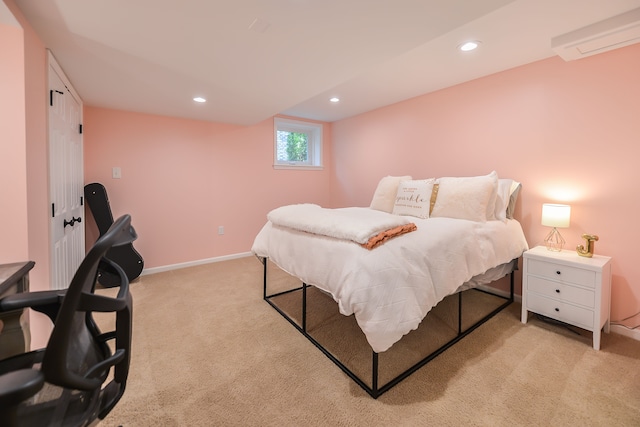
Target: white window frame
x,y
314,143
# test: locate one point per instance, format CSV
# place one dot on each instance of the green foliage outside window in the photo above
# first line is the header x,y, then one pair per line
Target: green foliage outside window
x,y
297,147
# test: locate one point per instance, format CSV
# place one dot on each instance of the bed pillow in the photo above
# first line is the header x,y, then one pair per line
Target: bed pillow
x,y
384,197
413,198
470,198
513,198
491,205
502,199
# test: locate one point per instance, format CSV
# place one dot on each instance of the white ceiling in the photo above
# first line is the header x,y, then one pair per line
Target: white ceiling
x,y
253,59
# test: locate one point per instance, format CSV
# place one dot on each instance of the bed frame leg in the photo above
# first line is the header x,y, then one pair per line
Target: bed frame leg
x,y
459,313
264,278
304,307
511,282
374,375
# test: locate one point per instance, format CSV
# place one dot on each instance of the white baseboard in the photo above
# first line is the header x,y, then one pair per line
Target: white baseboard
x,y
193,263
621,330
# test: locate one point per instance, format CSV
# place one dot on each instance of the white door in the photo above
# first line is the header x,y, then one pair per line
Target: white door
x,y
66,189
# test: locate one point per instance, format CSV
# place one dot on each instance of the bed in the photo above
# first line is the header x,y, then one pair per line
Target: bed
x,y
452,234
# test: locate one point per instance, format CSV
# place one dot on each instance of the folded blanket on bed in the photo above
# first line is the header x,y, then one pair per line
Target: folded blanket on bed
x,y
368,227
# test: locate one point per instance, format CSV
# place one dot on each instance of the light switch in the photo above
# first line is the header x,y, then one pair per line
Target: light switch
x,y
116,172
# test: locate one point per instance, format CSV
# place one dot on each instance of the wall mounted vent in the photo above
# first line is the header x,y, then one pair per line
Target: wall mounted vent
x,y
613,33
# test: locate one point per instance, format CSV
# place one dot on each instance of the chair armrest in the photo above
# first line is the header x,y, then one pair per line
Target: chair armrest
x,y
46,302
19,385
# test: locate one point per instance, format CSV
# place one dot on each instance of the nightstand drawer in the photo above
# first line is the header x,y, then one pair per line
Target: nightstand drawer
x,y
561,292
568,313
562,273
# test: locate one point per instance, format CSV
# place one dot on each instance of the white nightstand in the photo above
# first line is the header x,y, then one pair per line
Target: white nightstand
x,y
568,287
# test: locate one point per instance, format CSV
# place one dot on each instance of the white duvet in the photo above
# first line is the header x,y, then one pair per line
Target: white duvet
x,y
391,288
355,224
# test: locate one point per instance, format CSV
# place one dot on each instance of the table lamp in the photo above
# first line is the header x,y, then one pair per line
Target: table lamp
x,y
556,216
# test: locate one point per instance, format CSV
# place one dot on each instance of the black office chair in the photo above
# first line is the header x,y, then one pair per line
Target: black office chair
x,y
71,382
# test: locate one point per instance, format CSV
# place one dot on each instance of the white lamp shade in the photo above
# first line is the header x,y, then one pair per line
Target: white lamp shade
x,y
556,215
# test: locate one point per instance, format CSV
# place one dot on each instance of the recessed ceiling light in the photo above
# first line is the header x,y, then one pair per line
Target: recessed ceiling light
x,y
334,99
199,99
470,45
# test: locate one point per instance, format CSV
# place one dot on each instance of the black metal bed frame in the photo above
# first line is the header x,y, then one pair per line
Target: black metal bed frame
x,y
375,390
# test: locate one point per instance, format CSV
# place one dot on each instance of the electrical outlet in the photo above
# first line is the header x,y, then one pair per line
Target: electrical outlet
x,y
116,173
221,230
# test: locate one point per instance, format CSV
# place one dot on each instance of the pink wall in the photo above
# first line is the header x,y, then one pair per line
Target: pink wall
x,y
13,157
568,131
25,187
36,90
182,179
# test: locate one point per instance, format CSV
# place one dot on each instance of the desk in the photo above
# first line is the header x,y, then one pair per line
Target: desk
x,y
15,337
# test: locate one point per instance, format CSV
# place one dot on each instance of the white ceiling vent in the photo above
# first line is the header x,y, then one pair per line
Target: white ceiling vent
x,y
619,31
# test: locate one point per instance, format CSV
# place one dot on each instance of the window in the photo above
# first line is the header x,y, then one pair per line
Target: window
x,y
298,145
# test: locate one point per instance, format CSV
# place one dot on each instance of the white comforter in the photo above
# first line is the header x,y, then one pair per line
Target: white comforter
x,y
390,289
355,224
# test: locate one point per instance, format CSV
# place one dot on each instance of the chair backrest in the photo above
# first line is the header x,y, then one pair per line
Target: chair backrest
x,y
78,355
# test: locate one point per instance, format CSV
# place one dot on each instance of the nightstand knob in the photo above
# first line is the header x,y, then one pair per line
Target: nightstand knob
x,y
557,291
558,272
557,309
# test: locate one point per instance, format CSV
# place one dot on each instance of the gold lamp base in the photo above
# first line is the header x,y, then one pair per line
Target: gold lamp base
x,y
554,240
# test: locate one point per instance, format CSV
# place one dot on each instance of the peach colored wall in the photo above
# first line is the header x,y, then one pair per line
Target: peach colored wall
x,y
24,96
36,91
569,131
181,179
13,158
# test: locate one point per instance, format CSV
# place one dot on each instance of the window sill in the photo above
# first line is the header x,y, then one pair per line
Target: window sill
x,y
298,167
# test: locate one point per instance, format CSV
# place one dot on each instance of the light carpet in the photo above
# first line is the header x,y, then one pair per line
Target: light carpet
x,y
209,351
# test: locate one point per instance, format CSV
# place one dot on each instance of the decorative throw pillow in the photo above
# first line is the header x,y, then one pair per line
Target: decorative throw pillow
x,y
385,195
413,198
470,198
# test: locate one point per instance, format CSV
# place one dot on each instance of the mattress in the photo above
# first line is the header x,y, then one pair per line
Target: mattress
x,y
391,288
